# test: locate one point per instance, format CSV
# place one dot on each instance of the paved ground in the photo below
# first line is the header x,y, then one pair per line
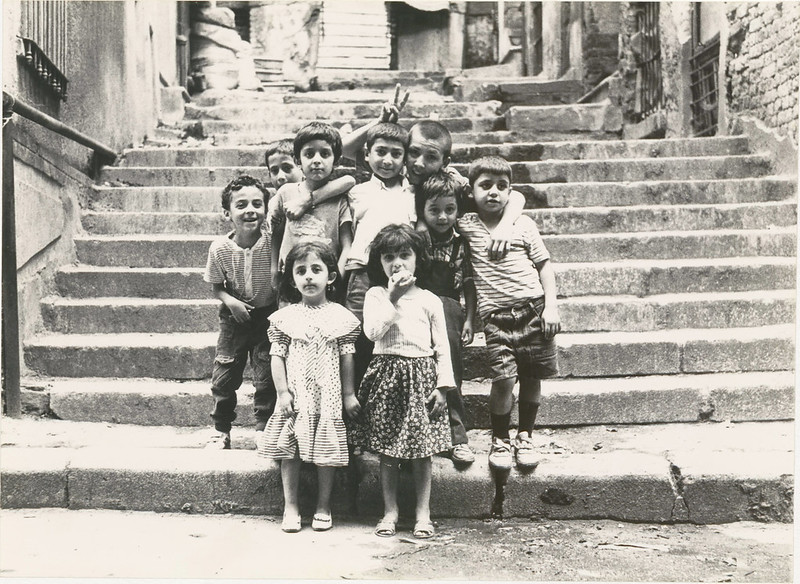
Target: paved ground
x,y
36,543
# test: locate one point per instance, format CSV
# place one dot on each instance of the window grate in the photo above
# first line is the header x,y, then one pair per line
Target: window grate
x,y
704,73
650,95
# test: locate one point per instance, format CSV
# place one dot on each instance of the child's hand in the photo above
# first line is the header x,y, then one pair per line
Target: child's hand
x,y
296,207
400,283
390,112
437,402
551,322
239,310
286,404
467,334
499,244
352,406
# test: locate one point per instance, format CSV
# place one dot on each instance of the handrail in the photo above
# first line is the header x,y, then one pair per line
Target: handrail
x,y
104,153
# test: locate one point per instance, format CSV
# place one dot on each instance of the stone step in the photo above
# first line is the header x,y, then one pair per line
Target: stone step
x,y
524,91
652,399
602,354
699,473
585,314
528,151
203,199
593,117
549,221
636,277
171,251
618,170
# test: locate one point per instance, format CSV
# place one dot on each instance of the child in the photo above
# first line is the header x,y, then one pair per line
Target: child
x,y
404,408
517,303
450,274
312,363
238,268
317,147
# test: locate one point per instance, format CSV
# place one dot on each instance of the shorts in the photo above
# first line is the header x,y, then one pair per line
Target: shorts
x,y
516,344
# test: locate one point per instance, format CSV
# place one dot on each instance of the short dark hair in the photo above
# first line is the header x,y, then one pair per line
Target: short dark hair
x,y
394,238
237,184
488,164
387,131
284,146
439,184
318,131
436,131
324,252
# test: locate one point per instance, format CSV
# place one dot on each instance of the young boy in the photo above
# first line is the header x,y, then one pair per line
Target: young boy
x,y
317,148
517,303
280,162
238,268
450,274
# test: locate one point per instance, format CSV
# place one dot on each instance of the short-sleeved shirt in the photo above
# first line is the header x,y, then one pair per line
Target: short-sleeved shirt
x,y
450,265
374,207
322,223
509,281
245,272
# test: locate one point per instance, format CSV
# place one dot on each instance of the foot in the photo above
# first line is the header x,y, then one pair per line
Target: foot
x,y
386,527
524,451
321,522
462,454
423,529
500,454
219,441
290,523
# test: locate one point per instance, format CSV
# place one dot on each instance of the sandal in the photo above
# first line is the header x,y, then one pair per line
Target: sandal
x,y
290,524
423,530
321,522
386,528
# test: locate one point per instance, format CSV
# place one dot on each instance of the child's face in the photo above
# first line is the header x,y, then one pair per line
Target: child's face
x,y
440,213
401,260
491,192
386,158
282,170
311,278
247,210
316,160
424,158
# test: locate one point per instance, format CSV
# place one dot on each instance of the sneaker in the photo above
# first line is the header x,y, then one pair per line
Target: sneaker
x,y
219,441
500,454
462,454
524,452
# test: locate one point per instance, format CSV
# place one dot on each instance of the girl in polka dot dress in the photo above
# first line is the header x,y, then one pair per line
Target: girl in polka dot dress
x,y
403,393
312,365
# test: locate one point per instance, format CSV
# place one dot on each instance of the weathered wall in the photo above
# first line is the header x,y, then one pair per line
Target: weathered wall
x,y
762,65
601,27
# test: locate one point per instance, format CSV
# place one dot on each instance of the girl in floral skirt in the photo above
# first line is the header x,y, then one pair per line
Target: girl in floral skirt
x,y
403,393
312,365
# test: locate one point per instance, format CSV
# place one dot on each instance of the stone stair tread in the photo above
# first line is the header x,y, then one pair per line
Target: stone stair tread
x,y
681,262
127,301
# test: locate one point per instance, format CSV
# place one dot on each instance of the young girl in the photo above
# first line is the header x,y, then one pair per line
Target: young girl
x,y
312,365
403,393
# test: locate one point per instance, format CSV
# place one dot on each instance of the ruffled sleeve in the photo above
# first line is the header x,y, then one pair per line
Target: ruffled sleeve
x,y
280,341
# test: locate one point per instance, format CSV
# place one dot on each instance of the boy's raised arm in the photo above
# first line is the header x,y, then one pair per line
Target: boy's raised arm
x,y
501,235
390,112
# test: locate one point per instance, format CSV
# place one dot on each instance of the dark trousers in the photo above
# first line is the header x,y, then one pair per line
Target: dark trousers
x,y
454,321
236,343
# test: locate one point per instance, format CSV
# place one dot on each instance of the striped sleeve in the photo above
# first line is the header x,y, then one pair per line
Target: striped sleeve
x,y
214,273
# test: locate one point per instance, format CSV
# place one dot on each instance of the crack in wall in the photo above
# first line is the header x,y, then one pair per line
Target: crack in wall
x,y
680,508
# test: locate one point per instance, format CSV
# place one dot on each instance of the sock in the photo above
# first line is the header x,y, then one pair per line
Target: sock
x,y
500,423
527,416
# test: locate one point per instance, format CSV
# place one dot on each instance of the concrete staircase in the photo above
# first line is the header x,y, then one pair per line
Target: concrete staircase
x,y
675,261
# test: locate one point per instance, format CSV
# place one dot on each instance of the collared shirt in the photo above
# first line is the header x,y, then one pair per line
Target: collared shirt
x,y
374,207
245,272
509,281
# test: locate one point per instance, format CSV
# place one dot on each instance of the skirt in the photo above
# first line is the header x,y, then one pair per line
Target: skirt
x,y
395,418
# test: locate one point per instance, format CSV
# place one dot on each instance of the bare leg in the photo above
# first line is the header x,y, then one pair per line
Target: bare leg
x,y
290,476
422,485
325,479
389,478
501,396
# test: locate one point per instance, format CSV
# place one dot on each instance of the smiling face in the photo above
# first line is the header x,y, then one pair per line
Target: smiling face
x,y
491,192
440,213
247,210
425,156
311,278
282,170
386,158
394,262
316,160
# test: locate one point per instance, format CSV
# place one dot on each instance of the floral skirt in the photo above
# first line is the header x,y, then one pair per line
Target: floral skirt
x,y
395,418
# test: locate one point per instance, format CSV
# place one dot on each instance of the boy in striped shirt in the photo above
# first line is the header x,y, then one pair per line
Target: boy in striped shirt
x,y
517,303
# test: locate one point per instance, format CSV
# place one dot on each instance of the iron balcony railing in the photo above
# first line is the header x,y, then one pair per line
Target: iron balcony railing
x,y
704,72
650,96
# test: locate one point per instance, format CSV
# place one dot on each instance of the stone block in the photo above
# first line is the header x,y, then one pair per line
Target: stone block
x,y
580,355
766,402
172,102
754,350
34,477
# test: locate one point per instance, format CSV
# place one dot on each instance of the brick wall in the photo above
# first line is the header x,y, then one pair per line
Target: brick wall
x,y
762,64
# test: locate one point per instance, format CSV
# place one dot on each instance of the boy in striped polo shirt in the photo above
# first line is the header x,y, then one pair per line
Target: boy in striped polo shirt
x,y
238,268
517,303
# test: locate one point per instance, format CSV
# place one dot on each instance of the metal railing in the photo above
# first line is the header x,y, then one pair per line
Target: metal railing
x,y
43,30
10,305
650,96
704,71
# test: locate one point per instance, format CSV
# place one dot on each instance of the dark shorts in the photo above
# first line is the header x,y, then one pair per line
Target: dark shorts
x,y
516,344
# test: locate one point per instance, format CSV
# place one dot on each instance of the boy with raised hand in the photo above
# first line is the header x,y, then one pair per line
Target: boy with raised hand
x,y
519,308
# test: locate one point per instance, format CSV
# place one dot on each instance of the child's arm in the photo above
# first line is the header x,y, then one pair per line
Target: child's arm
x,y
347,374
501,235
445,380
345,243
285,403
240,310
304,200
379,314
390,112
551,322
471,305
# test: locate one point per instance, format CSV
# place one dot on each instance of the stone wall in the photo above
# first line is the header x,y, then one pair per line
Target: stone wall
x,y
762,65
601,26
